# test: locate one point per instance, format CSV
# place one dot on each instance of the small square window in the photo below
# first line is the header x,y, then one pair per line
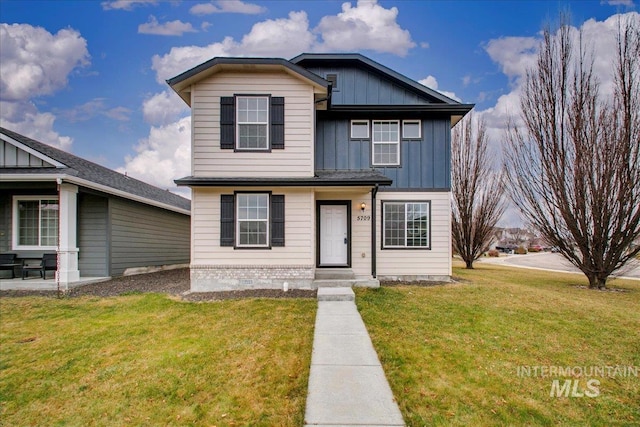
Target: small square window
x,y
359,129
411,129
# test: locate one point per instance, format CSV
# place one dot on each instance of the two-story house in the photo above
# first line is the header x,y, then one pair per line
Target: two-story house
x,y
322,163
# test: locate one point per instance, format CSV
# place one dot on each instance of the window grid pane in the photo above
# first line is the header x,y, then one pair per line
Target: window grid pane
x,y
406,224
28,222
411,129
253,219
48,222
386,143
359,129
253,120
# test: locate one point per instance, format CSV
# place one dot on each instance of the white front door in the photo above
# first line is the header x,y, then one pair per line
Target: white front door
x,y
333,235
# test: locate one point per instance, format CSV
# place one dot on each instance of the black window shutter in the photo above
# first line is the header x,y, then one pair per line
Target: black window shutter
x,y
227,219
277,122
277,220
227,122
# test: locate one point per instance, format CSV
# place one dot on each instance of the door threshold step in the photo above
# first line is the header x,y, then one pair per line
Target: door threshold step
x,y
337,283
336,294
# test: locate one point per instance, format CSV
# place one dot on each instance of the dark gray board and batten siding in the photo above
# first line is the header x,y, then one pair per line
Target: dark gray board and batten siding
x,y
145,236
361,87
424,164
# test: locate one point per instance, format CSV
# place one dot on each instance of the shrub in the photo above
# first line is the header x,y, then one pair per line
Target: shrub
x,y
533,249
520,250
493,253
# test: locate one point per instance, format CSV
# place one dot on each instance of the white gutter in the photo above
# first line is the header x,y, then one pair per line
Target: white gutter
x,y
89,184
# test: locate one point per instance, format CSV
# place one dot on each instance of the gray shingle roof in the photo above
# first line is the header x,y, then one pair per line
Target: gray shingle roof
x,y
339,178
84,169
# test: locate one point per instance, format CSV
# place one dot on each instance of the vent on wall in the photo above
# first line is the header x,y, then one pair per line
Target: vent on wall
x,y
333,78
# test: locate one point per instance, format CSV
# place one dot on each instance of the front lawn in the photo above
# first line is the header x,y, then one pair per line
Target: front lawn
x,y
467,353
151,360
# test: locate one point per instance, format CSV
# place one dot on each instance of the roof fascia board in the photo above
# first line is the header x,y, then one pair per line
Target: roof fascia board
x,y
436,108
223,182
33,152
92,185
189,77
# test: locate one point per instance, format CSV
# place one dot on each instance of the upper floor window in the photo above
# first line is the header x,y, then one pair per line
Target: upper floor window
x,y
253,122
359,129
386,143
411,129
35,222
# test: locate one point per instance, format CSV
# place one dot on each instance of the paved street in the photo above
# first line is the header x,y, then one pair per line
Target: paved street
x,y
551,261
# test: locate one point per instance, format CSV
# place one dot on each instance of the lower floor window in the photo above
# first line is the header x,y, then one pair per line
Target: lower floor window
x,y
406,224
36,222
253,219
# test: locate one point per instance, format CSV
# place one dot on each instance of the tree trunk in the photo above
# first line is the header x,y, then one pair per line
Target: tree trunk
x,y
597,282
469,264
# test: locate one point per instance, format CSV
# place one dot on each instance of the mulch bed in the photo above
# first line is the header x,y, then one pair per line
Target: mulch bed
x,y
171,282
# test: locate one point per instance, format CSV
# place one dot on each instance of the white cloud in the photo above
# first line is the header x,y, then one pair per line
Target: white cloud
x,y
169,28
34,62
25,119
285,36
274,37
366,26
227,6
126,4
163,108
120,114
627,3
163,156
514,55
432,83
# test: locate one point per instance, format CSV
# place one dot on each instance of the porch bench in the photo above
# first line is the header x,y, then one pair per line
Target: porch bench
x,y
9,262
49,262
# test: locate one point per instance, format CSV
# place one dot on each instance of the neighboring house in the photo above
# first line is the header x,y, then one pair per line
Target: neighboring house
x,y
325,161
99,221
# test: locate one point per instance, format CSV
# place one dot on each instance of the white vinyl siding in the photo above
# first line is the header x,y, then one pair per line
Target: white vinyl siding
x,y
297,158
35,222
386,142
433,262
299,231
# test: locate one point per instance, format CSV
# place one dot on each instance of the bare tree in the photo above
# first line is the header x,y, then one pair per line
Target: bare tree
x,y
574,171
476,188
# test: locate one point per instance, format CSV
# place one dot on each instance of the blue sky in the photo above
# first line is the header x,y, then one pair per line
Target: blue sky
x,y
88,76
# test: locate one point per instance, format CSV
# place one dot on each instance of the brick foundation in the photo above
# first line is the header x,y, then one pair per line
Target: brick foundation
x,y
211,278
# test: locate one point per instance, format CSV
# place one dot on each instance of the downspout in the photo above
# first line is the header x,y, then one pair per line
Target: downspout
x,y
59,292
374,191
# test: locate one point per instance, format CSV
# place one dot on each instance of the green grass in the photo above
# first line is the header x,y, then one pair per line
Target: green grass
x,y
150,360
451,353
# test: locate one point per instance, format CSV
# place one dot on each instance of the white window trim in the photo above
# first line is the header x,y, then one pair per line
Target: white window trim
x,y
359,137
238,220
405,203
419,122
373,142
238,123
16,225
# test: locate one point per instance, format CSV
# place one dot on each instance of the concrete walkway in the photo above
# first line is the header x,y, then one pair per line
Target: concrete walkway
x,y
347,386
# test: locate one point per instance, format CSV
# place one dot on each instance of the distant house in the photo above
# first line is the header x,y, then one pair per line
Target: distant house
x,y
100,222
325,162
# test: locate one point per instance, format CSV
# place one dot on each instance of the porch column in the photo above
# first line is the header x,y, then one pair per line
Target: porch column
x,y
68,250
